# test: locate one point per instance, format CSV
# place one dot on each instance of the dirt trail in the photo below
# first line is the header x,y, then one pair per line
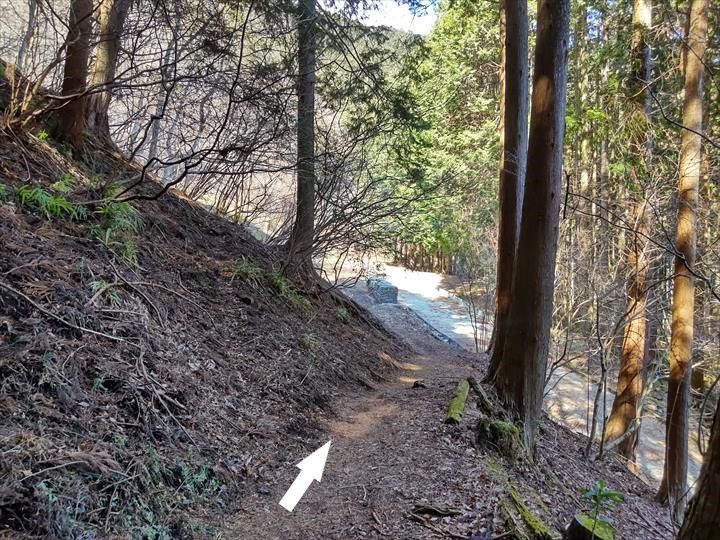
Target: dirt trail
x,y
568,395
391,451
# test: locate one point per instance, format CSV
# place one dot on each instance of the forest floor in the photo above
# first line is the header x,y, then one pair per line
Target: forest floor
x,y
570,390
394,467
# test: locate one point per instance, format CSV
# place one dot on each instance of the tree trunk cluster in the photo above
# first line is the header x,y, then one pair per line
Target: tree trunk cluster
x,y
416,257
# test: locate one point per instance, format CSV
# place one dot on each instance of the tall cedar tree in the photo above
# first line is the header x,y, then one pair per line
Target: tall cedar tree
x,y
702,520
111,21
520,378
301,238
674,484
71,117
513,136
630,376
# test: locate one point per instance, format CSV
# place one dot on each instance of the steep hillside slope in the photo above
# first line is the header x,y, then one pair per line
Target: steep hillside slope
x,y
152,355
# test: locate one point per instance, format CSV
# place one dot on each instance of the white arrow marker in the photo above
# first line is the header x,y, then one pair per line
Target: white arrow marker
x,y
311,468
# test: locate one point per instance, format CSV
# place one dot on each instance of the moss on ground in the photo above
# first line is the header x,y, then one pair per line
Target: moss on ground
x,y
457,403
519,519
537,528
503,436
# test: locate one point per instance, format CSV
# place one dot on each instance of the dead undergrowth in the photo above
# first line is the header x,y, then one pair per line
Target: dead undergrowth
x,y
151,354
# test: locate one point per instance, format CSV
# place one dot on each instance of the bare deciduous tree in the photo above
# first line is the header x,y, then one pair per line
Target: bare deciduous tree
x,y
112,14
71,117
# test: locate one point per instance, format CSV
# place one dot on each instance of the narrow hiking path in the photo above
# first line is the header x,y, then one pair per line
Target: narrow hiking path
x,y
569,392
390,450
392,455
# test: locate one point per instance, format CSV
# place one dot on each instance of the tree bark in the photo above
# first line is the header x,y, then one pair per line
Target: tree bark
x,y
629,388
301,238
112,20
632,354
71,117
514,135
702,520
521,374
683,303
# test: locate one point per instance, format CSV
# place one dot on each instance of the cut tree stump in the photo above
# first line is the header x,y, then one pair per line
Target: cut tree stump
x,y
584,527
457,403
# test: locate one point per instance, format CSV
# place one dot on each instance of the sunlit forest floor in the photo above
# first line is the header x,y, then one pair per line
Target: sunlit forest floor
x,y
395,468
570,391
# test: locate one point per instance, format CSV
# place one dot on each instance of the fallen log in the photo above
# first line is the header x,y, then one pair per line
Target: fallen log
x,y
457,403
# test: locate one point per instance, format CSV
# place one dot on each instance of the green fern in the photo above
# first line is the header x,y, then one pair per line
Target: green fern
x,y
127,251
123,248
119,221
119,215
52,206
285,289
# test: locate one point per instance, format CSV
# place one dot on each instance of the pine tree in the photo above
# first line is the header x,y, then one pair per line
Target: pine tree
x,y
674,483
514,133
301,239
521,377
630,376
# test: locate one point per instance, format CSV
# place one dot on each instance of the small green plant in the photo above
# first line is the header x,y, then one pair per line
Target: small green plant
x,y
342,315
123,248
3,193
47,490
119,216
601,499
52,206
96,180
285,289
112,294
119,440
65,184
43,135
119,221
127,251
310,343
156,532
199,529
198,480
248,270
